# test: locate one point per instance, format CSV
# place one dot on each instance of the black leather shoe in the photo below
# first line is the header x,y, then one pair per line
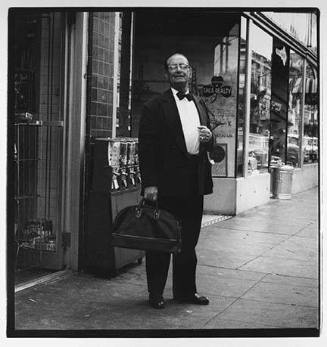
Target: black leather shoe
x,y
157,302
194,299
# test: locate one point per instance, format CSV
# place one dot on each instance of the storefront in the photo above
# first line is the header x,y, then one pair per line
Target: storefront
x,y
79,77
282,48
257,73
46,96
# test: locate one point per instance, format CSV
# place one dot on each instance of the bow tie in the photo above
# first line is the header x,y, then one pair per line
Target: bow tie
x,y
181,96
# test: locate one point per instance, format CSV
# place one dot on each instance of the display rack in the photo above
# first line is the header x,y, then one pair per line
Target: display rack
x,y
36,215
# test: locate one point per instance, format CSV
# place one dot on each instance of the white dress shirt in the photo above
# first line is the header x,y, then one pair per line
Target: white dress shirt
x,y
189,117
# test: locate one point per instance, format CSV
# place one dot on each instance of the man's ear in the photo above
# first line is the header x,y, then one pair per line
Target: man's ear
x,y
190,72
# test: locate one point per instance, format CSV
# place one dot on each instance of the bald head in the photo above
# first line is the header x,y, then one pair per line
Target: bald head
x,y
178,71
172,57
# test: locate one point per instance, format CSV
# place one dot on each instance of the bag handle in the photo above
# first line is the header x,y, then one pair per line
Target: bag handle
x,y
142,203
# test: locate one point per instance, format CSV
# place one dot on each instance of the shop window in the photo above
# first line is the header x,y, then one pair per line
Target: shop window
x,y
294,110
259,130
310,121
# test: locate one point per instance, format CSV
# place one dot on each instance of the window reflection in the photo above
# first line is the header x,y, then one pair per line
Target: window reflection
x,y
279,102
294,109
310,138
302,26
221,98
241,99
260,101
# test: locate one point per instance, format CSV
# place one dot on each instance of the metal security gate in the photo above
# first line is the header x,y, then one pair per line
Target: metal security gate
x,y
38,68
38,178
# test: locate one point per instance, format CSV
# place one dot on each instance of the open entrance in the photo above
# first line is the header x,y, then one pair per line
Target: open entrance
x,y
36,69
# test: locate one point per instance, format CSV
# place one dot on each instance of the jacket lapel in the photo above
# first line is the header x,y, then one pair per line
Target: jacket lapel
x,y
201,111
173,119
203,118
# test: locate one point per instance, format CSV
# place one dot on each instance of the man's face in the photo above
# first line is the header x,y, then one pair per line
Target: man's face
x,y
179,72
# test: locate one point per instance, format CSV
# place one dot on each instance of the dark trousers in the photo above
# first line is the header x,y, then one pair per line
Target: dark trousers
x,y
189,211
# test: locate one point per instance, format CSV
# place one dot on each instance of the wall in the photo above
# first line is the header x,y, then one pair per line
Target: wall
x,y
252,191
223,198
100,74
305,178
232,196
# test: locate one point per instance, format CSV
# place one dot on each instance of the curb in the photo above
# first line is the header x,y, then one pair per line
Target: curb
x,y
44,279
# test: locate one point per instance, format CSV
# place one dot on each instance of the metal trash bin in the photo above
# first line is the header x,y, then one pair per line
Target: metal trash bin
x,y
282,178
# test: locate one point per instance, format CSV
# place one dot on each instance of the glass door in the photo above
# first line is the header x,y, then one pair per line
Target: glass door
x,y
37,69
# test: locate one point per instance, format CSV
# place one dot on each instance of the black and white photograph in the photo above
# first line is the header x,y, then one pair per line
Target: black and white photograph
x,y
163,172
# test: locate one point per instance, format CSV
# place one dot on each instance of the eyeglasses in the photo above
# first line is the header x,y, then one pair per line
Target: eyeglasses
x,y
173,67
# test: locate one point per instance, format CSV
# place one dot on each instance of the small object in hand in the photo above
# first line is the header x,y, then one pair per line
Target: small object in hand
x,y
204,133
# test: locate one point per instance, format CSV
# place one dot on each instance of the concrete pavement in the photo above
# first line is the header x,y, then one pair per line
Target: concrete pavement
x,y
259,269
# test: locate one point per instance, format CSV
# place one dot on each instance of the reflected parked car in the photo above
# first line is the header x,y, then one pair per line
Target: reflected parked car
x,y
310,149
293,150
293,154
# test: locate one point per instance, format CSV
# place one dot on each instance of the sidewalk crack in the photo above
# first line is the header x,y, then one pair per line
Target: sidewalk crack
x,y
237,299
269,249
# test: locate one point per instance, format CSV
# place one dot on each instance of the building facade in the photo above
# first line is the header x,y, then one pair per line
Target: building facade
x,y
78,76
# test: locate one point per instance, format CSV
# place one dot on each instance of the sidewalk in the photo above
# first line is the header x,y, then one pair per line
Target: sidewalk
x,y
259,269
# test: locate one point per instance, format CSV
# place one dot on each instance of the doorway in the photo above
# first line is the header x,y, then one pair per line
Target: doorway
x,y
36,69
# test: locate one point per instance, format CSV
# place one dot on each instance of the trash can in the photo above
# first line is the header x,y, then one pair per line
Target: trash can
x,y
282,178
274,174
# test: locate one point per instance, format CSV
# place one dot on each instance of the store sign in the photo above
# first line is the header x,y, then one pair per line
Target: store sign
x,y
217,87
225,91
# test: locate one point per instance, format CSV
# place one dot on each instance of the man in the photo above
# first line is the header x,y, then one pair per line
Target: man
x,y
174,138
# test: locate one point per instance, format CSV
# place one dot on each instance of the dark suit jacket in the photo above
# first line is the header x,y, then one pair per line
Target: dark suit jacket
x,y
164,160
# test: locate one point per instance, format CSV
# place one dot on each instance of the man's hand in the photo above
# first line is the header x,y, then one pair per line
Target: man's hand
x,y
205,134
151,193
